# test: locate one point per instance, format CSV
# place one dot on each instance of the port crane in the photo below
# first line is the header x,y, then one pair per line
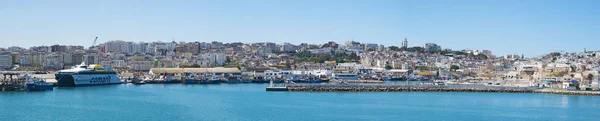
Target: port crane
x,y
94,44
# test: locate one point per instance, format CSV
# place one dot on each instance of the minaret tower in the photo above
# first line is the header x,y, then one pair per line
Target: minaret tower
x,y
405,43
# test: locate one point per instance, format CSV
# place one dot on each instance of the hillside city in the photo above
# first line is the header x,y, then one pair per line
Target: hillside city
x,y
429,60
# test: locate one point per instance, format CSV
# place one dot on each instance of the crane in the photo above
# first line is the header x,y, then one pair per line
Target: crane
x,y
94,44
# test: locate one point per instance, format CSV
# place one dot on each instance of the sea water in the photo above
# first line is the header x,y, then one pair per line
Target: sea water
x,y
250,102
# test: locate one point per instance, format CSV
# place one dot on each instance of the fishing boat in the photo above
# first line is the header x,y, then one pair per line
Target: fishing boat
x,y
37,84
138,80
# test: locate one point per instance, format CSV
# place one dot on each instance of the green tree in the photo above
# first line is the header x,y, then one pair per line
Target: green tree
x,y
388,67
394,48
454,67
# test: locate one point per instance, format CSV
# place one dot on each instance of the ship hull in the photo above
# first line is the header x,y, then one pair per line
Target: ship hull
x,y
78,80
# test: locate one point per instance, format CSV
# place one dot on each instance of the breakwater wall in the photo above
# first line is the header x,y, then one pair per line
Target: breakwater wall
x,y
568,92
407,88
434,88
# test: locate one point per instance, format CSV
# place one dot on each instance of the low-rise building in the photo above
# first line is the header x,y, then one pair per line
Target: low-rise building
x,y
141,65
327,50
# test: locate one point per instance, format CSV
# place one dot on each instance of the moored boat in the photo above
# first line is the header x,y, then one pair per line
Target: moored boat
x,y
84,75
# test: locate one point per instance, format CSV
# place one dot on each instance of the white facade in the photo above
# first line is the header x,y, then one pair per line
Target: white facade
x,y
214,58
53,61
31,60
105,63
118,63
141,65
321,51
287,47
67,58
371,46
114,46
312,72
349,66
6,61
353,48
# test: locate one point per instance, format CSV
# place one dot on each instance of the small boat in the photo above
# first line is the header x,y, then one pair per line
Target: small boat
x,y
35,84
190,81
211,80
233,80
137,80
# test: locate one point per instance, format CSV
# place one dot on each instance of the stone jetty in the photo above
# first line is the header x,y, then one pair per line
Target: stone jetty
x,y
430,88
359,81
408,88
568,92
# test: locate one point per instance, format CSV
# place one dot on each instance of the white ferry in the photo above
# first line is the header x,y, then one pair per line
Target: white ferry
x,y
83,75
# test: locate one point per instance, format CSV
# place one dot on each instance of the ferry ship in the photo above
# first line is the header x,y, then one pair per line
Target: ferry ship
x,y
83,75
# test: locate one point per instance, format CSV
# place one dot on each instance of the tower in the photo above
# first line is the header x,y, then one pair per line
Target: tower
x,y
405,43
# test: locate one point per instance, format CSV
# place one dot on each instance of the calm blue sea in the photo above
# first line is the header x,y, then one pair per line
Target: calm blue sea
x,y
249,102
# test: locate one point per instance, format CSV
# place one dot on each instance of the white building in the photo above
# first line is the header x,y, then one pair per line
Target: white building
x,y
287,47
31,60
6,61
312,72
327,50
118,63
141,65
114,46
349,66
371,46
263,52
353,48
214,58
106,63
67,59
53,61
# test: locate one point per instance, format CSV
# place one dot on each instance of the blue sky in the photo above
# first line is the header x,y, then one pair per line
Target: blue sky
x,y
531,27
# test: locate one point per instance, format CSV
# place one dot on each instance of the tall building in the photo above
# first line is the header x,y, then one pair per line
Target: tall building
x,y
432,47
53,61
58,48
91,58
405,43
6,61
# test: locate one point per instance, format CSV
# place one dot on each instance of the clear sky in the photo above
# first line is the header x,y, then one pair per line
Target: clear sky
x,y
531,27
